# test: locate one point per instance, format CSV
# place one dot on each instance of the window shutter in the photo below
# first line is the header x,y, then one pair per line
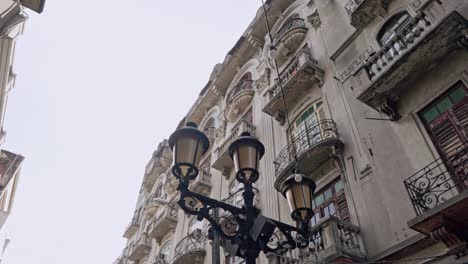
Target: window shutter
x,y
342,206
449,130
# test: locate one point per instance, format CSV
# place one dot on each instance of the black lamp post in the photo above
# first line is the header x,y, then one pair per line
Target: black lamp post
x,y
247,231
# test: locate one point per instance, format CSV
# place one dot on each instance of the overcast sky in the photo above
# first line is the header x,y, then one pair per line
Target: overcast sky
x,y
100,84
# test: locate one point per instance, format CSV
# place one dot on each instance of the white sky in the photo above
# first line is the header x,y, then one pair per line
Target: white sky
x,y
99,84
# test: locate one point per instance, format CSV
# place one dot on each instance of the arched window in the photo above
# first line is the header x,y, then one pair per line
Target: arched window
x,y
165,251
392,27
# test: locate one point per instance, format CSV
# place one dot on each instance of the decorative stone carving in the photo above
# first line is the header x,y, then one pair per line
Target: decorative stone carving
x,y
362,12
264,80
220,132
314,19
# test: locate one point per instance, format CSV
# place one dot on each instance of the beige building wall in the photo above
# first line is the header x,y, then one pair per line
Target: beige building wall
x,y
12,21
330,58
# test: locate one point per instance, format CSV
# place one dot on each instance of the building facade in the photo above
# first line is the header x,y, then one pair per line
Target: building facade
x,y
12,21
376,95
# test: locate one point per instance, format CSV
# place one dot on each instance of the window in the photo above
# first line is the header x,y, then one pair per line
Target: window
x,y
446,120
392,27
305,130
443,104
330,200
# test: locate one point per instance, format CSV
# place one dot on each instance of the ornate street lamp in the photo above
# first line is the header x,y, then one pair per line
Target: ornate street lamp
x,y
246,153
244,229
299,191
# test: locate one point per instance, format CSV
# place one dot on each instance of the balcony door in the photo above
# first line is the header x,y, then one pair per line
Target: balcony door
x,y
306,129
446,120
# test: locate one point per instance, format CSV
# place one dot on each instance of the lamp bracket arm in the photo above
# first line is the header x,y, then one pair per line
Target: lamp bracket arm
x,y
199,205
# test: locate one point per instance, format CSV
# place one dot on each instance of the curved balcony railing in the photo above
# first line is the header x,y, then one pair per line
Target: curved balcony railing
x,y
193,244
245,85
313,136
439,181
291,24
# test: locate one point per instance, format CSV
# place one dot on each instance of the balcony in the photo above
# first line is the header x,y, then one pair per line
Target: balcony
x,y
223,162
153,202
439,194
424,41
164,221
239,99
296,79
202,184
289,38
10,165
132,228
190,250
336,241
313,147
159,163
362,12
170,183
139,248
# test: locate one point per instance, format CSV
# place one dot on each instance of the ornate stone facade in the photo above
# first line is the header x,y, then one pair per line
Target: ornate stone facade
x,y
376,113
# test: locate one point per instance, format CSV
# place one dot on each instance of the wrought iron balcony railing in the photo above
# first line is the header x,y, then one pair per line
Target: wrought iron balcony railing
x,y
334,239
291,24
439,181
245,85
314,142
296,79
192,248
